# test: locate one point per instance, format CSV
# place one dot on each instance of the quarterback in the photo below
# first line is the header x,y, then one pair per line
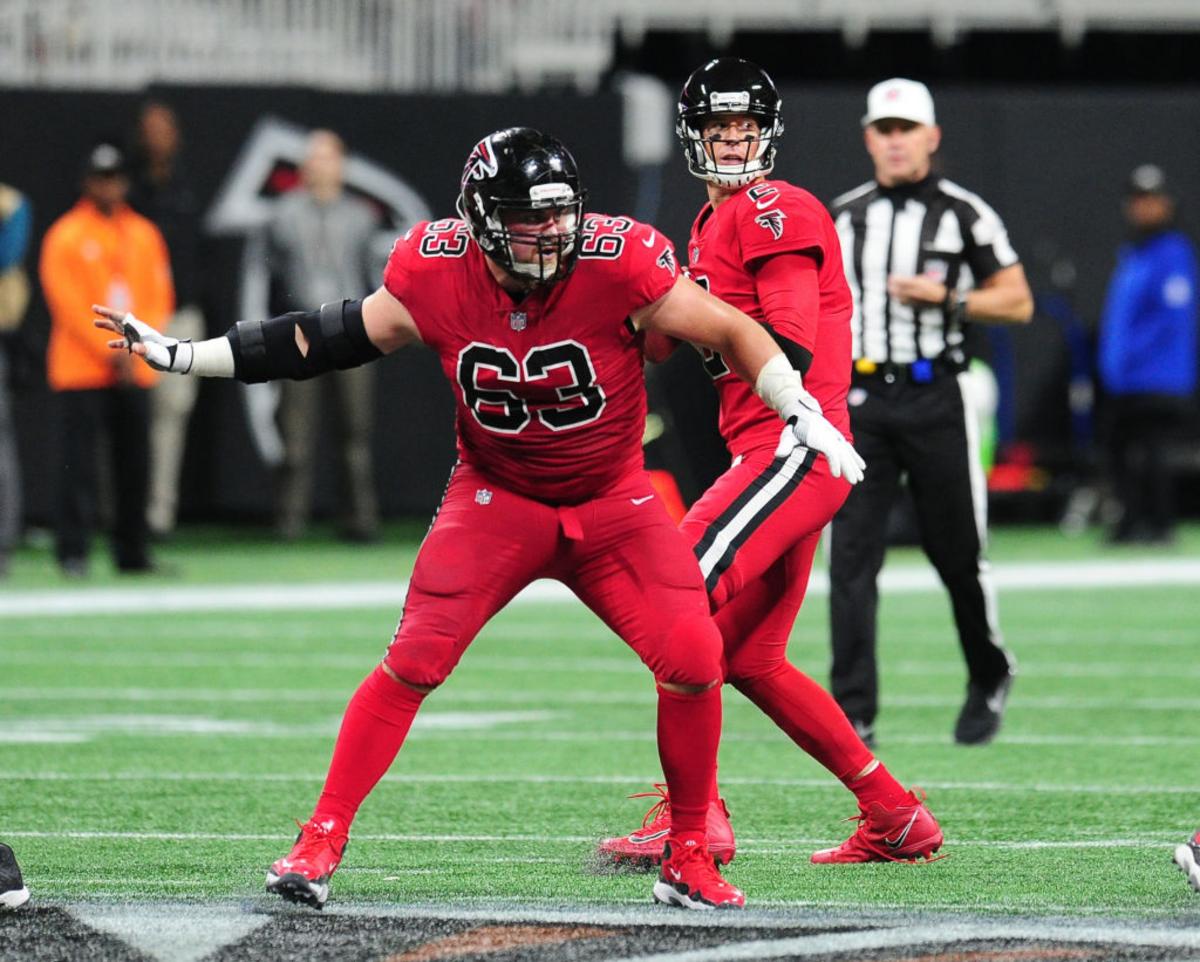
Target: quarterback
x,y
771,250
537,312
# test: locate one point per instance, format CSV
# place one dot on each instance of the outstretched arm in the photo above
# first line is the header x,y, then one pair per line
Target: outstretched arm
x,y
687,312
299,345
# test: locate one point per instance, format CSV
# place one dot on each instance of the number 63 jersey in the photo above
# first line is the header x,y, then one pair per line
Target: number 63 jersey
x,y
550,389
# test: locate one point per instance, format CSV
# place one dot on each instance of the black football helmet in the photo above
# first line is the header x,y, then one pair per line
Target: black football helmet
x,y
516,170
729,85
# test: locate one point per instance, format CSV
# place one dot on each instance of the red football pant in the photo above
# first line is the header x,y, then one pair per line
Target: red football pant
x,y
620,554
755,532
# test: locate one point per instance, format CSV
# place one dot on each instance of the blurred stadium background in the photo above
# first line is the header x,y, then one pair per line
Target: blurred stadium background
x,y
150,758
1047,105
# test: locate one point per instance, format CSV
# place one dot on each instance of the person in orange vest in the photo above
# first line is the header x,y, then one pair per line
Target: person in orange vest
x,y
102,251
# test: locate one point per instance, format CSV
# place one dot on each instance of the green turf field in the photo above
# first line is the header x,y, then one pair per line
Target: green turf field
x,y
163,756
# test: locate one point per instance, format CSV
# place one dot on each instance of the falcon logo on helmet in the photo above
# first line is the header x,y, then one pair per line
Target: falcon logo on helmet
x,y
517,174
481,163
729,85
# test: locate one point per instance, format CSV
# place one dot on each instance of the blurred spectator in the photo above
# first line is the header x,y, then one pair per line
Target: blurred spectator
x,y
1147,358
162,191
14,298
319,247
102,252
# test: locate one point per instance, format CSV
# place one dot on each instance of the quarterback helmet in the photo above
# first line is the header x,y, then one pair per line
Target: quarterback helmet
x,y
521,172
728,85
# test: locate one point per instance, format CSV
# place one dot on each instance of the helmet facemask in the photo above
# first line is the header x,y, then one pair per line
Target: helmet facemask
x,y
696,147
723,87
540,256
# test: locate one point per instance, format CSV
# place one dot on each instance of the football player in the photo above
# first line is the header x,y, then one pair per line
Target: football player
x,y
770,249
537,312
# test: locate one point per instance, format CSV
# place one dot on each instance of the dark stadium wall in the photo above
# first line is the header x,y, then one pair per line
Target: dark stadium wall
x,y
1051,160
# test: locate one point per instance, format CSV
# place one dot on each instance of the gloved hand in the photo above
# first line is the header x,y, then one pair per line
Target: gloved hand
x,y
806,425
163,353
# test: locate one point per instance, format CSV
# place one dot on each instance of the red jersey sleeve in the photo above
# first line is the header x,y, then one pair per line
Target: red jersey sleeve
x,y
642,261
653,267
777,218
411,274
789,291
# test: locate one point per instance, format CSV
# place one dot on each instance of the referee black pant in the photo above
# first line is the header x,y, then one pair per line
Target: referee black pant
x,y
923,433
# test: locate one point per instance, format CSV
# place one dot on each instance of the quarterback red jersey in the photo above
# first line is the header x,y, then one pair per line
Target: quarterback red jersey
x,y
550,387
765,218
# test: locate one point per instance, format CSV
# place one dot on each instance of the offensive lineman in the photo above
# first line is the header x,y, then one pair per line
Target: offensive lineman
x,y
770,249
536,312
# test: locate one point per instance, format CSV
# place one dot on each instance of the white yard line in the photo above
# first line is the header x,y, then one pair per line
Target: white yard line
x,y
76,695
760,845
1025,576
638,779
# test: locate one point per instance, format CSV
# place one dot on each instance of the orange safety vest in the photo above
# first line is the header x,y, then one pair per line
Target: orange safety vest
x,y
88,258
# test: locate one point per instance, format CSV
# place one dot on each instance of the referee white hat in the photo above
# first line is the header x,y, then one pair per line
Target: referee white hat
x,y
900,99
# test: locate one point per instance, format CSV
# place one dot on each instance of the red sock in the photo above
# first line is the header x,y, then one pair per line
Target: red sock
x,y
879,786
810,717
374,727
689,731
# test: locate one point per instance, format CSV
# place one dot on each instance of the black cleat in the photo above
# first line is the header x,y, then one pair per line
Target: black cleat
x,y
13,893
982,712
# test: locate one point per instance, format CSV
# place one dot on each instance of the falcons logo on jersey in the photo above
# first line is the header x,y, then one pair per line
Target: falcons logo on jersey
x,y
482,162
666,260
771,220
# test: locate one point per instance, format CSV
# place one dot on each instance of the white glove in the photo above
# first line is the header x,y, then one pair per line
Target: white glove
x,y
163,353
806,426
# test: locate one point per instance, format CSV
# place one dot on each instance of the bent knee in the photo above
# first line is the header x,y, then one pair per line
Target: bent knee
x,y
421,665
690,660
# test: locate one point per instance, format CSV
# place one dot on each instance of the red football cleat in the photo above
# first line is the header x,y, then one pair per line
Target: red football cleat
x,y
644,848
303,874
690,879
906,833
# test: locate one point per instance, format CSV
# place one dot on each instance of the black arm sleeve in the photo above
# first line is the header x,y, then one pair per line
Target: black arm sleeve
x,y
799,357
267,350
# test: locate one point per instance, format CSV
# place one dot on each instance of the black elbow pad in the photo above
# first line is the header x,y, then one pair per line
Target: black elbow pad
x,y
267,350
798,356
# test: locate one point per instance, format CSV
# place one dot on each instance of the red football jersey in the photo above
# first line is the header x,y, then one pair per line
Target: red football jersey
x,y
774,217
550,388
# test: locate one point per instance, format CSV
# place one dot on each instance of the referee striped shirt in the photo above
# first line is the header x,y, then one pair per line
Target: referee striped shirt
x,y
934,228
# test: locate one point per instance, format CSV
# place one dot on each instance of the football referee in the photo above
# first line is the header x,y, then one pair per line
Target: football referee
x,y
924,258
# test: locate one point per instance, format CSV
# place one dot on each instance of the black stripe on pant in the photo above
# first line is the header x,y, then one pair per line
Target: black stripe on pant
x,y
763,495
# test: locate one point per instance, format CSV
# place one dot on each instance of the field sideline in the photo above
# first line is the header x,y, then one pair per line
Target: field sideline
x,y
153,760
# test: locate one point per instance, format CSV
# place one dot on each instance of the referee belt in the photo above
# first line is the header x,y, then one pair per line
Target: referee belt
x,y
922,371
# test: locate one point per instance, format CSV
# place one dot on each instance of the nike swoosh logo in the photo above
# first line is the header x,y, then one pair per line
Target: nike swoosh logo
x,y
899,840
642,839
641,500
649,241
675,873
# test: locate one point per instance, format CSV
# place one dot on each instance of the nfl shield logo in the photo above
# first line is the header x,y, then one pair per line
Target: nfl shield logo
x,y
517,320
483,496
